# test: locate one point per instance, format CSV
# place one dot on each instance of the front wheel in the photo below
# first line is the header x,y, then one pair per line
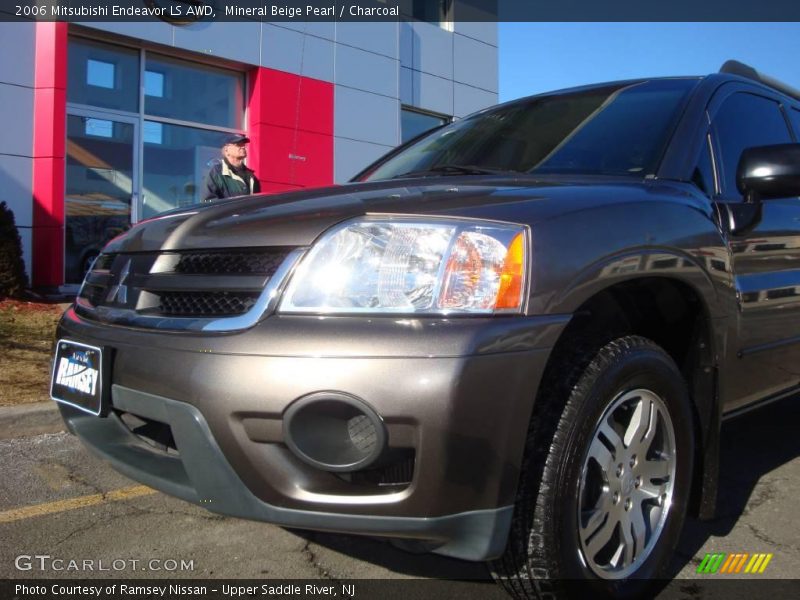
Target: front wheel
x,y
606,477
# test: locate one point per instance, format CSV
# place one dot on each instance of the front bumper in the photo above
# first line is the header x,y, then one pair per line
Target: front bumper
x,y
457,394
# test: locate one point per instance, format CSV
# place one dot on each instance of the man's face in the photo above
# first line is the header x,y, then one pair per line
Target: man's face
x,y
235,152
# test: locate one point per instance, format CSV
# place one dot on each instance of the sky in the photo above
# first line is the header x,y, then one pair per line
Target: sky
x,y
540,57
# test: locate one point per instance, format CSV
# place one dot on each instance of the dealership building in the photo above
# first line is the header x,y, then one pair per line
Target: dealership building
x,y
106,124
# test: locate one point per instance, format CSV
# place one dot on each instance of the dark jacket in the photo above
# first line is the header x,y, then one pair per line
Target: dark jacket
x,y
223,182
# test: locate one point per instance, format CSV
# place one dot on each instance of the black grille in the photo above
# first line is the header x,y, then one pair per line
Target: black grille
x,y
396,470
103,262
209,263
188,283
93,293
197,304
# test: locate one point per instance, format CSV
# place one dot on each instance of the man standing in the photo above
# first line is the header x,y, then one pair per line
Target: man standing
x,y
230,176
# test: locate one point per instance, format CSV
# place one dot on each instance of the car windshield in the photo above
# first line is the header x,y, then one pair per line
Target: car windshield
x,y
619,129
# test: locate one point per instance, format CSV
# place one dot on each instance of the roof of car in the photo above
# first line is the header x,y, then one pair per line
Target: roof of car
x,y
730,70
736,68
586,88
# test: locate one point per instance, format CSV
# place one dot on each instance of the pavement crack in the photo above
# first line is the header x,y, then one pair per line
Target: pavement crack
x,y
311,558
90,526
764,537
73,533
75,478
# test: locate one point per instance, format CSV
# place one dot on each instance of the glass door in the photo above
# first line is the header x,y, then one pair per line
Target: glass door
x,y
101,185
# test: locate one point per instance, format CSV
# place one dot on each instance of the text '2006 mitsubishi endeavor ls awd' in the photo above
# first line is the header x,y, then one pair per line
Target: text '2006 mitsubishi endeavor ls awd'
x,y
512,339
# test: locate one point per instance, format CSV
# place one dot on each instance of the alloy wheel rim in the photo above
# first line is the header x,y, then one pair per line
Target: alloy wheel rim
x,y
626,485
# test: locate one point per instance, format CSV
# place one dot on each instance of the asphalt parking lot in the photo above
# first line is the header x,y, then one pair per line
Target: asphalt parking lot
x,y
58,500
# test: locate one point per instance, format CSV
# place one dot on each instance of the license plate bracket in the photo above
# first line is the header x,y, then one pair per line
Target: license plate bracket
x,y
78,376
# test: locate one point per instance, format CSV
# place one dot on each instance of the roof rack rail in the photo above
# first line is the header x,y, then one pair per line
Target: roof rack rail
x,y
734,67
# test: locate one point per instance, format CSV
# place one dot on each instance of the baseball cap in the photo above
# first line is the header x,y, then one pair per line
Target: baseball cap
x,y
237,138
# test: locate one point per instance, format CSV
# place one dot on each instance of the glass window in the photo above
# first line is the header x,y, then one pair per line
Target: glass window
x,y
175,167
99,184
743,121
103,75
99,128
413,123
154,84
703,176
610,130
100,73
153,133
193,93
794,116
175,159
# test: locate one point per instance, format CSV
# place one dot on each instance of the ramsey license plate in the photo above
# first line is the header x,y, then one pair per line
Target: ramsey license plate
x,y
78,376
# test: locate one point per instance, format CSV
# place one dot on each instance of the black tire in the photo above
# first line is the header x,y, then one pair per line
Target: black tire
x,y
544,556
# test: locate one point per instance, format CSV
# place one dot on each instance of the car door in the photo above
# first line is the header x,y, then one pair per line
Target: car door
x,y
765,256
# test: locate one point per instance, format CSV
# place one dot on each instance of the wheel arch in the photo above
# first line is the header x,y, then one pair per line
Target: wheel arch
x,y
678,315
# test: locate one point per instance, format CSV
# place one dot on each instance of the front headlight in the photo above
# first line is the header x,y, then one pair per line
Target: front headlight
x,y
412,265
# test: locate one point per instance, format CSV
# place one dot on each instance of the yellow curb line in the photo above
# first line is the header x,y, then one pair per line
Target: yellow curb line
x,y
48,508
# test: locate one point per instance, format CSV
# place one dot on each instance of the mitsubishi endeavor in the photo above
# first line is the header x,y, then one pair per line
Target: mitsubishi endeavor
x,y
513,339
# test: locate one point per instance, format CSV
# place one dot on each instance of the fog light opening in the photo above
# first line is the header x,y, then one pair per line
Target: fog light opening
x,y
334,431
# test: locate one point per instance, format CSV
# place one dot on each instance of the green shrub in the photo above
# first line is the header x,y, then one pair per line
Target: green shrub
x,y
12,270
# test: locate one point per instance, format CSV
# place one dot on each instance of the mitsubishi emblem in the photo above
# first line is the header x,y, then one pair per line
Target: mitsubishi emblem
x,y
119,291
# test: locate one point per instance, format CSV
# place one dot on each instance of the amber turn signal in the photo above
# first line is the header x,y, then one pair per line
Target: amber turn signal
x,y
510,293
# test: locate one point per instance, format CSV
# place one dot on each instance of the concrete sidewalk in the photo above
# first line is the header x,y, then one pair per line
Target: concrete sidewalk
x,y
30,419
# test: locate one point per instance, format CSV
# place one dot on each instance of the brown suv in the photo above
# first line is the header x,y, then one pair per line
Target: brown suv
x,y
512,339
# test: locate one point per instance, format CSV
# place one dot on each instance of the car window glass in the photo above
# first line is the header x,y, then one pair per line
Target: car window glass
x,y
743,121
703,175
794,115
619,129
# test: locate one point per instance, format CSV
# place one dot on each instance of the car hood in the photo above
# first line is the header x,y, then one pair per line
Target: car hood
x,y
298,218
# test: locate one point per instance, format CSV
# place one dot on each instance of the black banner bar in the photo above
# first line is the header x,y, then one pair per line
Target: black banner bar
x,y
186,12
744,587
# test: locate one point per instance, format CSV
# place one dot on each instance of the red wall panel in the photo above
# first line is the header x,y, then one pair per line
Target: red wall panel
x,y
49,122
270,147
293,156
312,164
274,97
316,106
49,133
291,129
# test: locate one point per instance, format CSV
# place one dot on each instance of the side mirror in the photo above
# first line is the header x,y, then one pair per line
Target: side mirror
x,y
766,172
